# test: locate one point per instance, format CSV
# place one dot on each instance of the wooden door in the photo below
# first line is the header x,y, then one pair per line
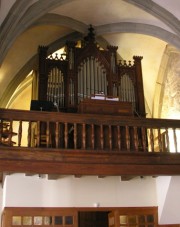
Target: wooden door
x,y
111,219
93,219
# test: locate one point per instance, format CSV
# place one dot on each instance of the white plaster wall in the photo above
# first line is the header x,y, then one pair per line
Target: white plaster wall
x,y
162,184
168,199
32,191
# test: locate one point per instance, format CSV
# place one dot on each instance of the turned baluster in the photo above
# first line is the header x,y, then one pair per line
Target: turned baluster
x,y
47,136
57,134
159,140
127,138
101,137
151,136
110,137
29,134
119,137
175,140
66,135
75,136
10,133
135,139
144,139
38,133
92,135
1,131
167,139
83,136
19,133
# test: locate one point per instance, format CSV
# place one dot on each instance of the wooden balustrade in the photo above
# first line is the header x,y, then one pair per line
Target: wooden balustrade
x,y
88,144
88,132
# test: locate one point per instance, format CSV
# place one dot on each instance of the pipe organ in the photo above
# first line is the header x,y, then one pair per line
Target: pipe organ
x,y
87,70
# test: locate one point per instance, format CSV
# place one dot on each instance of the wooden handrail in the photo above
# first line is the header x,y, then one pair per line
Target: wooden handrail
x,y
26,115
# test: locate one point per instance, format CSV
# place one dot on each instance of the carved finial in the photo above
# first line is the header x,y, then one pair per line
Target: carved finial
x,y
91,36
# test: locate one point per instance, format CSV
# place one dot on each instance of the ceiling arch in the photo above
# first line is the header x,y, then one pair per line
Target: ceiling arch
x,y
123,27
127,27
23,15
159,12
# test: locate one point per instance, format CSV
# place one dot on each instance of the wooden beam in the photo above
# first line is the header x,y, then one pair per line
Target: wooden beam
x,y
77,176
54,176
79,162
1,177
127,177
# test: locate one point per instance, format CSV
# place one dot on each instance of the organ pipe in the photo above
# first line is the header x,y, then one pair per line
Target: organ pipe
x,y
91,78
126,90
55,89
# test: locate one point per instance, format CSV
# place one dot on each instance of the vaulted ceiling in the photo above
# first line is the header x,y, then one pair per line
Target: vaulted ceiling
x,y
137,27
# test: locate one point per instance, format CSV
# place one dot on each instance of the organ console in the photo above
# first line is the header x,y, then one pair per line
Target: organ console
x,y
105,106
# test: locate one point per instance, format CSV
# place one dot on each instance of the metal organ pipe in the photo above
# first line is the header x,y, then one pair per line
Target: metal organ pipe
x,y
84,79
126,90
92,74
91,78
113,63
95,75
115,90
55,89
71,89
87,77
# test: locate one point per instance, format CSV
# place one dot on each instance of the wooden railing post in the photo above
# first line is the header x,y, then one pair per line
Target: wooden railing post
x,y
57,138
29,137
75,136
159,140
83,136
10,132
175,140
92,136
110,137
144,139
19,133
127,138
47,136
151,136
167,139
119,137
66,135
101,137
135,139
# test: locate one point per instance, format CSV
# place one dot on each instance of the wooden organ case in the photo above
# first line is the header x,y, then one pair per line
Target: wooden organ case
x,y
89,79
88,70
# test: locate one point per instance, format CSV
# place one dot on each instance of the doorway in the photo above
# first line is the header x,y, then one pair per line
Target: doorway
x,y
93,218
